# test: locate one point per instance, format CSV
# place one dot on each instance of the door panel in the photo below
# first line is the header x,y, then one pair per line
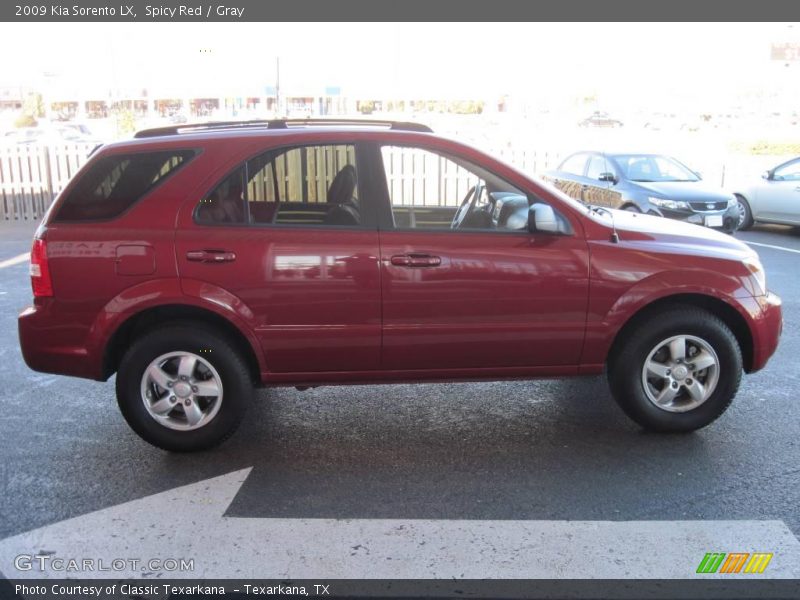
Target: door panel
x,y
779,197
779,201
571,185
290,235
314,294
490,300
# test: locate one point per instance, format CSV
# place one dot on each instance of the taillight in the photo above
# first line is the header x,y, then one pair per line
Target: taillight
x,y
40,271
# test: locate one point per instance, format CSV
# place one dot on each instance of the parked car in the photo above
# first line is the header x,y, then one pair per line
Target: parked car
x,y
62,134
775,198
662,122
600,119
81,128
178,118
197,262
645,183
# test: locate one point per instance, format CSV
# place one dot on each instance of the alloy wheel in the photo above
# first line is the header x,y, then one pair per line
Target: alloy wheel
x,y
680,373
181,390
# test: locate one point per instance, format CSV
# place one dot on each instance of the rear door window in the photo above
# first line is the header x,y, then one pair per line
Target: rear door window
x,y
299,186
115,183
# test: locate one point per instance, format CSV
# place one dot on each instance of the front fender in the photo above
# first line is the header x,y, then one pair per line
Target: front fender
x,y
612,308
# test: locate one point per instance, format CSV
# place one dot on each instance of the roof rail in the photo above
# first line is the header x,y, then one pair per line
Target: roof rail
x,y
276,124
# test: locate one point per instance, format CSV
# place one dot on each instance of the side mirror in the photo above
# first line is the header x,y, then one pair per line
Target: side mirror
x,y
542,218
608,177
766,175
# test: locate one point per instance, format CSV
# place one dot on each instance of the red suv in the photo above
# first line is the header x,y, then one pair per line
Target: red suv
x,y
197,262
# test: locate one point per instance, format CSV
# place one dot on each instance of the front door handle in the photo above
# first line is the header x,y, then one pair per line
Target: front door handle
x,y
210,256
415,260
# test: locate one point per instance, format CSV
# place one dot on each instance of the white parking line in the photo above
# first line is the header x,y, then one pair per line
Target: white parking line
x,y
16,260
773,247
190,522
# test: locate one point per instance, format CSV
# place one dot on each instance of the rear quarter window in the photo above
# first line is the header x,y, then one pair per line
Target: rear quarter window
x,y
115,183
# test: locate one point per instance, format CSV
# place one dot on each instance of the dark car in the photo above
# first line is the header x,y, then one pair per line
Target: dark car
x,y
197,262
600,119
646,183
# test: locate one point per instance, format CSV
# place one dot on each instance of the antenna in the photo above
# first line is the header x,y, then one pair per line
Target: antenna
x,y
614,234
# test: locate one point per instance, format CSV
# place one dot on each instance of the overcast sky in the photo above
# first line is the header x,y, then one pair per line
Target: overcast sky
x,y
636,62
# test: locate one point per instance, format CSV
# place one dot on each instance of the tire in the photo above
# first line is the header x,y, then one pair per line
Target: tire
x,y
746,214
217,368
632,208
628,377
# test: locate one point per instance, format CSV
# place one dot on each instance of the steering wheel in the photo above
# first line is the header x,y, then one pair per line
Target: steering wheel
x,y
467,205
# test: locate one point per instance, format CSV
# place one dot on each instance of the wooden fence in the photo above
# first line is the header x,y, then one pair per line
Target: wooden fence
x,y
31,175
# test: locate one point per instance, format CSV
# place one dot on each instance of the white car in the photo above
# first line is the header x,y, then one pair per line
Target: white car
x,y
775,198
50,135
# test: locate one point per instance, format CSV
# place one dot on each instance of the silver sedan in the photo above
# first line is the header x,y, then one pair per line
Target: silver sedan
x,y
775,198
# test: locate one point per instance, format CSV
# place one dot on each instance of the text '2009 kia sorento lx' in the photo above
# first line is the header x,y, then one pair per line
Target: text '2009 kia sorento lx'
x,y
197,262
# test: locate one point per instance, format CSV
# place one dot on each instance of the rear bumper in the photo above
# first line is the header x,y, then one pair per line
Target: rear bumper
x,y
767,330
49,347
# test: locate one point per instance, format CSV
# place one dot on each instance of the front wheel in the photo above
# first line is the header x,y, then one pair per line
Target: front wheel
x,y
745,213
677,372
183,387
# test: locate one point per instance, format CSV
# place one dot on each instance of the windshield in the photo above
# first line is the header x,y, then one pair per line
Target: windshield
x,y
649,167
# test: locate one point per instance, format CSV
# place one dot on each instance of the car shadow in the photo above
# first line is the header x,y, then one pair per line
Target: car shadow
x,y
512,450
792,231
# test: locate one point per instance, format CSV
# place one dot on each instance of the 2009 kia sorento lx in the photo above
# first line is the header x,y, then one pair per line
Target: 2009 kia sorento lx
x,y
199,261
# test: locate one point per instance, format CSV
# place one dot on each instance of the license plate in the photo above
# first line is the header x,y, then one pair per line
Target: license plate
x,y
714,221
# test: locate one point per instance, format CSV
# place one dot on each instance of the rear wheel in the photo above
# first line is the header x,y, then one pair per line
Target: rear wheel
x,y
678,372
183,387
632,208
745,213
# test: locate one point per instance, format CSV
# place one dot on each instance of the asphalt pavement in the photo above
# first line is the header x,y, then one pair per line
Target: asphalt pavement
x,y
557,450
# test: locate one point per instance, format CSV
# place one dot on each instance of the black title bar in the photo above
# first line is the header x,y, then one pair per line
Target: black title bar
x,y
396,10
608,589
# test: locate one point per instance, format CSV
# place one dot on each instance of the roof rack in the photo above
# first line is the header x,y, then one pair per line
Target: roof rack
x,y
276,124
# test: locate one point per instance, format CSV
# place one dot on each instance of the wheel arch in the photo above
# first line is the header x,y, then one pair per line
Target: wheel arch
x,y
149,318
746,198
721,309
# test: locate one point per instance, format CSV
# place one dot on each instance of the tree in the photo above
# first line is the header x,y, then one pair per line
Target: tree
x,y
25,120
33,105
32,108
126,121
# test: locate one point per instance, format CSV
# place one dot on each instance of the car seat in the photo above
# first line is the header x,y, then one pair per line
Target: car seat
x,y
343,209
639,169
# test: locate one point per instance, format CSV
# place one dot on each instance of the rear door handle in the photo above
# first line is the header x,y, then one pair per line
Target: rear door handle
x,y
415,260
210,256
